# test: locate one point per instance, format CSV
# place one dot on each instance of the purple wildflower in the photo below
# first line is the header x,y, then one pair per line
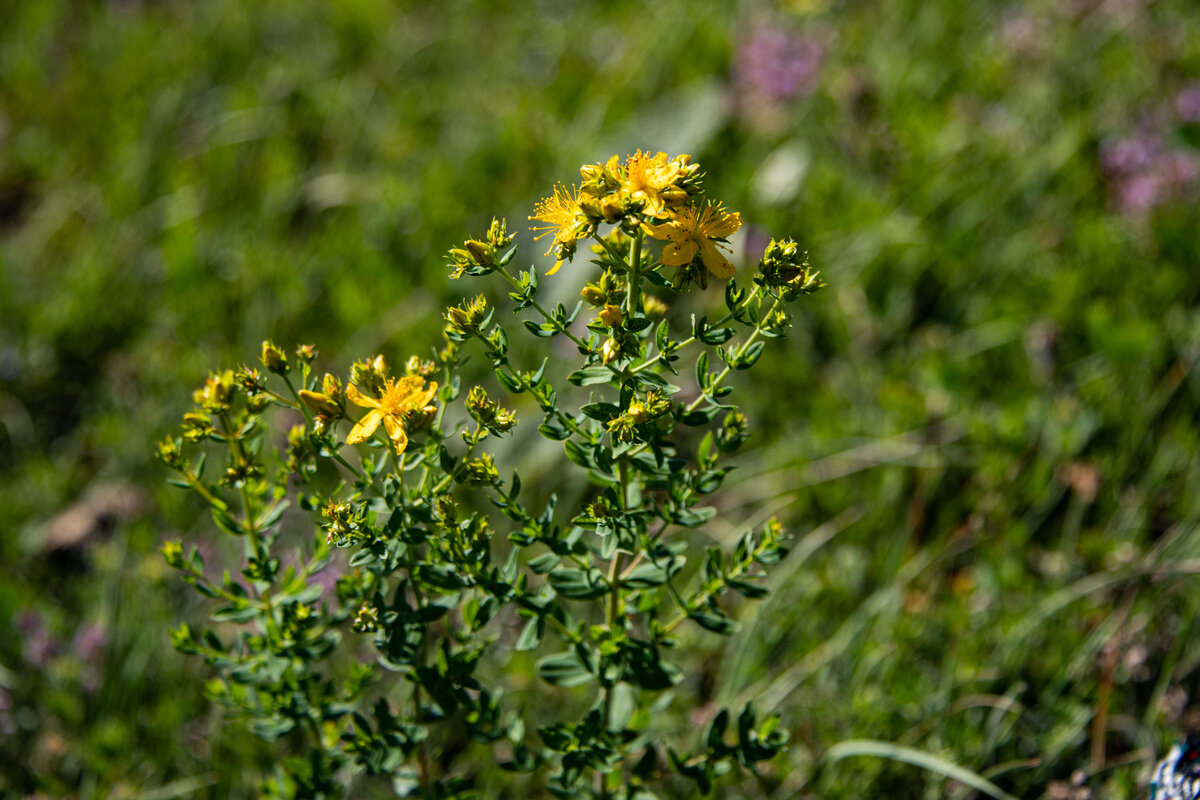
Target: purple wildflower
x,y
89,641
1187,104
1144,173
777,64
40,646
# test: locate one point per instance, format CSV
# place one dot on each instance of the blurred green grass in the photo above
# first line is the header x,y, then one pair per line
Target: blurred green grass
x,y
994,402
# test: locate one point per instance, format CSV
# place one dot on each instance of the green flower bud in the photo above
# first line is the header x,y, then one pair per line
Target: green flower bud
x,y
197,427
369,375
168,452
216,395
274,359
172,552
482,471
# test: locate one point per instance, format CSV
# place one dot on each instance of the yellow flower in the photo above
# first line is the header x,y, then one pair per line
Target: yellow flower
x,y
652,179
564,218
693,230
397,398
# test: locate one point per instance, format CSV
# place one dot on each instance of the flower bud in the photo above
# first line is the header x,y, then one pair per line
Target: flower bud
x,y
497,234
415,366
489,414
733,432
250,379
468,317
320,403
591,172
369,375
274,359
331,387
653,307
609,350
593,295
482,254
197,427
482,471
168,452
306,352
258,402
367,619
322,424
172,552
610,316
591,208
216,395
611,209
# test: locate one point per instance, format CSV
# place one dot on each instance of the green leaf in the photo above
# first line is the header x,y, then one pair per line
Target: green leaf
x,y
563,669
693,517
918,758
227,523
749,590
715,622
544,563
657,381
646,576
715,336
590,376
531,635
579,454
751,356
578,584
602,412
635,324
510,382
553,429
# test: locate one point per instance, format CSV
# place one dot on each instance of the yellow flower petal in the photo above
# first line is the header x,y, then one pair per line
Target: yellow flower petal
x,y
424,398
360,399
723,226
667,230
676,254
716,263
365,427
396,433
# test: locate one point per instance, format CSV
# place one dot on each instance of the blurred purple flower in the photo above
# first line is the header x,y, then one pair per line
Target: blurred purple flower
x,y
757,239
40,645
778,64
1137,194
1187,104
1127,156
1143,173
89,641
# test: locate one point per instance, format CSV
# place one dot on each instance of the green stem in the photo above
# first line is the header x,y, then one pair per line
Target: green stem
x,y
633,299
422,750
299,402
751,339
607,245
338,457
612,612
567,421
235,447
691,339
545,314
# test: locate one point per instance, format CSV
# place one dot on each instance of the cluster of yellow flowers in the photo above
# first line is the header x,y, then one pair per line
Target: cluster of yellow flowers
x,y
656,193
402,405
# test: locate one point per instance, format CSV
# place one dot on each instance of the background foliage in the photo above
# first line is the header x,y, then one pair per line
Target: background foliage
x,y
987,421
